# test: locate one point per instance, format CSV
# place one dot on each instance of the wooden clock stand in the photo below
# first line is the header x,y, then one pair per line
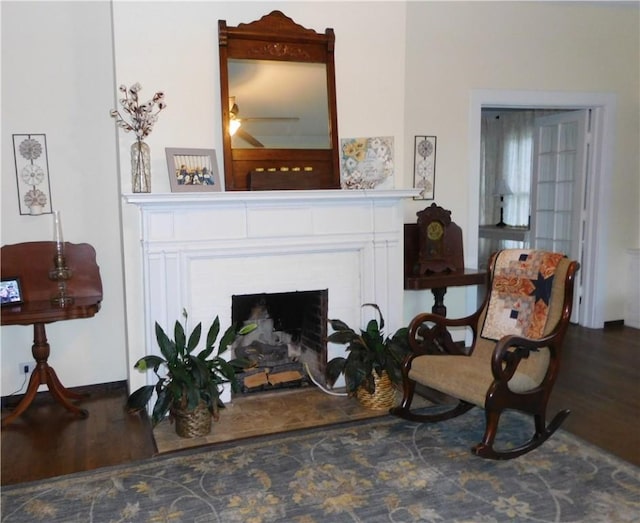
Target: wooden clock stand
x,y
433,256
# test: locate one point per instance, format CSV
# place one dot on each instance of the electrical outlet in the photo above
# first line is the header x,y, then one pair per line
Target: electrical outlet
x,y
26,367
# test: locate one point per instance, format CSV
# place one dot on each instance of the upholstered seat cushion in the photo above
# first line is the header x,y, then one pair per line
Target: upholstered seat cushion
x,y
456,376
462,377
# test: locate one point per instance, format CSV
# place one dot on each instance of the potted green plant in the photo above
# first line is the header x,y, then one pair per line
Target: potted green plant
x,y
373,362
189,385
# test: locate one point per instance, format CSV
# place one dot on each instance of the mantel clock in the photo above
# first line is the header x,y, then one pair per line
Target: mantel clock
x,y
439,241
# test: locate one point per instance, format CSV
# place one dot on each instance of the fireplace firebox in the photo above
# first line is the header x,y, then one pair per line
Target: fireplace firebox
x,y
288,342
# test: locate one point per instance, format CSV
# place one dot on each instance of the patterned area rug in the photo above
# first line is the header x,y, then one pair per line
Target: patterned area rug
x,y
377,470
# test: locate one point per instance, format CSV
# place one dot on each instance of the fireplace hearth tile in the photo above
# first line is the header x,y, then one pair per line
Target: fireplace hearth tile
x,y
272,412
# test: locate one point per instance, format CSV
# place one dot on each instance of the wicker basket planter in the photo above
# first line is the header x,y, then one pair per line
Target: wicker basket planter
x,y
193,423
368,352
384,396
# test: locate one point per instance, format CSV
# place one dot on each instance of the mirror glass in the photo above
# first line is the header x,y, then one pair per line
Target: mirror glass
x,y
280,105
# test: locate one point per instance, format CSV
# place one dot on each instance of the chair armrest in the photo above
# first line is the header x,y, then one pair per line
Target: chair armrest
x,y
435,338
510,350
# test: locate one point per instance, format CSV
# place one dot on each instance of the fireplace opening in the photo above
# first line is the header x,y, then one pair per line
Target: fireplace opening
x,y
290,337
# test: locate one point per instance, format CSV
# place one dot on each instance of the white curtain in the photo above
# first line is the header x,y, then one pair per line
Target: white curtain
x,y
506,149
507,153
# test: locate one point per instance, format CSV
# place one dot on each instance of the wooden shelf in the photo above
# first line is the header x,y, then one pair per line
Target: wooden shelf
x,y
459,278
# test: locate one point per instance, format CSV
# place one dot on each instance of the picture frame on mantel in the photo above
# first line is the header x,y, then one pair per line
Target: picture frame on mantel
x,y
193,170
424,167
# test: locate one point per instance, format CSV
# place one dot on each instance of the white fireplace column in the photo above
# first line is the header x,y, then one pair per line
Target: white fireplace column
x,y
199,249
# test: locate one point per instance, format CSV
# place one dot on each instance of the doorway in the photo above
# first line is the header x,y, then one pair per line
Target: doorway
x,y
533,173
596,193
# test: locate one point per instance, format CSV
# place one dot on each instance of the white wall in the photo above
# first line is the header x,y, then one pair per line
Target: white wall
x,y
57,79
403,69
179,55
454,48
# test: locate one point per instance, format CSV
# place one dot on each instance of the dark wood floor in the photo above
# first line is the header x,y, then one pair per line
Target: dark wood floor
x,y
599,382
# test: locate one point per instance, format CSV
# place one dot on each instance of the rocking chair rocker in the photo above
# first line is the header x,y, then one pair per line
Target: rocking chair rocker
x,y
515,353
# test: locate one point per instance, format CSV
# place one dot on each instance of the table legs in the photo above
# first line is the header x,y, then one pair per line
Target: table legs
x,y
43,374
438,305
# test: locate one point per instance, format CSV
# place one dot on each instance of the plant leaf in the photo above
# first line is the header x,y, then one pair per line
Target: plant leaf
x,y
339,325
150,361
173,389
194,339
167,347
212,335
342,337
193,398
200,371
240,364
373,305
246,329
368,383
356,370
227,339
160,409
181,377
224,369
235,386
139,399
335,367
372,330
179,338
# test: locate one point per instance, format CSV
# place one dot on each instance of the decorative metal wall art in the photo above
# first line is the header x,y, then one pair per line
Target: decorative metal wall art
x,y
32,173
424,167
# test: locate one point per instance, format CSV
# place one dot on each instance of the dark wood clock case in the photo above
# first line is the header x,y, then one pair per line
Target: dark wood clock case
x,y
438,241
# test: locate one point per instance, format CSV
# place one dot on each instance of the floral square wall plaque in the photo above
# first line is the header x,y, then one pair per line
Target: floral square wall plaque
x,y
32,173
424,166
367,163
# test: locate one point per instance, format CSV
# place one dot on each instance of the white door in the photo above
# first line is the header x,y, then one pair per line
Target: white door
x,y
560,153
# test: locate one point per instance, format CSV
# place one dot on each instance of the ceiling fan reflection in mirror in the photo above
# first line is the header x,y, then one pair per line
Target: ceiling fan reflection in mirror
x,y
236,121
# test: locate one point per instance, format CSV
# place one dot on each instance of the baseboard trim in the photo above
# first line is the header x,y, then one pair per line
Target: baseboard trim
x,y
44,395
614,323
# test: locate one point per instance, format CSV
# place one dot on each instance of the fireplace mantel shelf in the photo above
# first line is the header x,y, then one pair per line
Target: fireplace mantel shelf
x,y
163,199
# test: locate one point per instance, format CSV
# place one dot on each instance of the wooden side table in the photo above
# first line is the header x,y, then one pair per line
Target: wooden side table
x,y
438,282
31,262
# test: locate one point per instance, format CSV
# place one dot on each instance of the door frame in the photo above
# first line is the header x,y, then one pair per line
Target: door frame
x,y
600,171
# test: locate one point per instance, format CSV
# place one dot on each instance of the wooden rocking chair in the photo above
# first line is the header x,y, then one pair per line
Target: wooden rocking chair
x,y
515,353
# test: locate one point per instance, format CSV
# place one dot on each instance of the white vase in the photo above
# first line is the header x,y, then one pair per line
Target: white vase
x,y
140,167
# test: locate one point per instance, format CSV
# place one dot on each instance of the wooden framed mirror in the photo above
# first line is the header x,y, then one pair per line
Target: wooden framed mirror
x,y
278,95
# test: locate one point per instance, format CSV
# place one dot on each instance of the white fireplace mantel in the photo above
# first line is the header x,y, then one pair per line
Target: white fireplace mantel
x,y
200,249
148,200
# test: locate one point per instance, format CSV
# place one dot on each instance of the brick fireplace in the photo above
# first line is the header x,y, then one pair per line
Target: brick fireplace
x,y
201,249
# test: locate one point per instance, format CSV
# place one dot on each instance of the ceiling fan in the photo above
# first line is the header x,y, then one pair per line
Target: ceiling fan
x,y
235,123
